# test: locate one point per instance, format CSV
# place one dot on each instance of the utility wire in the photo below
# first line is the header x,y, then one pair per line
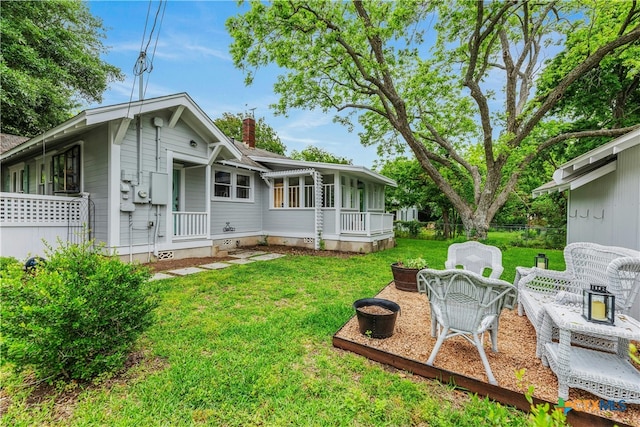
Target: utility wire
x,y
143,64
155,45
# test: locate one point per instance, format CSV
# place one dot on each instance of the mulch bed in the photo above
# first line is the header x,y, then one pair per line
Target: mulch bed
x,y
516,350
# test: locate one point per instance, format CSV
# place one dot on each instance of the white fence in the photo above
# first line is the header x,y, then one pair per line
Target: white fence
x,y
28,220
366,223
190,225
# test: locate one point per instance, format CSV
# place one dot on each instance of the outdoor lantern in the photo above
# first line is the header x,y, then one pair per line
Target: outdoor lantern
x,y
598,305
541,261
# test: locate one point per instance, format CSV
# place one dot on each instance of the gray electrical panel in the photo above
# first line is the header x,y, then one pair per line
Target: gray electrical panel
x,y
159,188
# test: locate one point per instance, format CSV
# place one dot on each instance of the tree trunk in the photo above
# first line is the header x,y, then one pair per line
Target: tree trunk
x,y
476,227
446,225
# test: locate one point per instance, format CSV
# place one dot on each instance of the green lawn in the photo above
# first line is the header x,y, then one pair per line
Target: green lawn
x,y
251,345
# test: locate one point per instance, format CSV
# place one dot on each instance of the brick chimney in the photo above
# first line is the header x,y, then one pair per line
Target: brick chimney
x,y
249,131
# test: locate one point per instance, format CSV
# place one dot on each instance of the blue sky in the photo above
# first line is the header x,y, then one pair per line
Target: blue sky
x,y
192,56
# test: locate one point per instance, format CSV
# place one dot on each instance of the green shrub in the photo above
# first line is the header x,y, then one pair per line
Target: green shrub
x,y
412,228
75,316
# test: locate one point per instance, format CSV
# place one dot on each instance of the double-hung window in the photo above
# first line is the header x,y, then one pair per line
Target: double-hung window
x,y
232,185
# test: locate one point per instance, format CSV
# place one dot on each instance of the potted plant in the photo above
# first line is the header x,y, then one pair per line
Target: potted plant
x,y
376,316
405,272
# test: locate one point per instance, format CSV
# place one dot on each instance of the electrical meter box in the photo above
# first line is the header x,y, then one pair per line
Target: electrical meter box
x,y
159,188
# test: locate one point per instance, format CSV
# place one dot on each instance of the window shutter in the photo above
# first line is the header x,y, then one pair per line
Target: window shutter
x,y
25,180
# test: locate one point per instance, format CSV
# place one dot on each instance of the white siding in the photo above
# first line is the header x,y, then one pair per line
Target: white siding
x,y
244,217
607,210
95,169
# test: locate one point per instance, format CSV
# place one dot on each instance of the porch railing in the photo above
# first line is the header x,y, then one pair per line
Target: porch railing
x,y
365,223
189,225
38,210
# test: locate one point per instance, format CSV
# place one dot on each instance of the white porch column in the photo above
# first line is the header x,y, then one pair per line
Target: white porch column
x,y
168,224
207,192
113,187
337,201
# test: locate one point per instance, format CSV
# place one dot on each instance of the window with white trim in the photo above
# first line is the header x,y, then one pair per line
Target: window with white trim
x,y
66,171
328,191
349,188
293,192
232,185
309,192
375,197
19,178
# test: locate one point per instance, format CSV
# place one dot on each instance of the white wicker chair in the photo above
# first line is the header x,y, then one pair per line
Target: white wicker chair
x,y
586,263
466,304
476,257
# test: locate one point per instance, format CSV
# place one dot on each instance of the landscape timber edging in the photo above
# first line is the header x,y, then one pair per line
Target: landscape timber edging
x,y
496,393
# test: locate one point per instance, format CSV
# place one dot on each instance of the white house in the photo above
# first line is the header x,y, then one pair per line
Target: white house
x,y
156,179
604,193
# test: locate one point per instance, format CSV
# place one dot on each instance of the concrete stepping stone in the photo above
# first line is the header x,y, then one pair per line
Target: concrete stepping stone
x,y
267,257
246,254
161,276
186,271
216,265
241,261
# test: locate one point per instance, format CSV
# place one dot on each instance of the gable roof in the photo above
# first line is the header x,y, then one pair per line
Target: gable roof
x,y
181,106
8,141
589,166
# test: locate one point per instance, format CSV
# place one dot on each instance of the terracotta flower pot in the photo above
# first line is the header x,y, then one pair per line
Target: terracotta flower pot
x,y
405,278
376,316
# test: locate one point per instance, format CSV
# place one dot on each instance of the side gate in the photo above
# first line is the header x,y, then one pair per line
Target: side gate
x,y
81,220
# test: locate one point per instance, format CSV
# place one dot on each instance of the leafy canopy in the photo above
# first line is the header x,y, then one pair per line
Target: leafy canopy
x,y
266,137
452,81
317,154
50,61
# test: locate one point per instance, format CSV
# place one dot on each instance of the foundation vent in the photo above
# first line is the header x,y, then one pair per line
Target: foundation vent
x,y
165,255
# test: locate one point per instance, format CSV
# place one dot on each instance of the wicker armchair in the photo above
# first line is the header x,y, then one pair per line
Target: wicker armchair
x,y
466,304
586,264
476,257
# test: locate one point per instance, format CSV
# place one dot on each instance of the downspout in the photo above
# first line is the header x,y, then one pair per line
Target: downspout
x,y
139,146
158,123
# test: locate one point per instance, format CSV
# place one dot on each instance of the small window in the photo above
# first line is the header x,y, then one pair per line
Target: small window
x,y
66,171
278,193
243,186
232,185
222,187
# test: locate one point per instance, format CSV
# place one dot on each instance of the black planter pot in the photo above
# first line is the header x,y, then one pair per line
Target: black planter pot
x,y
376,325
405,278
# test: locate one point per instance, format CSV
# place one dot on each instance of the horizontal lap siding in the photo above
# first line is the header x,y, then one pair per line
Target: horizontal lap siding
x,y
177,140
195,190
96,178
245,217
607,210
290,221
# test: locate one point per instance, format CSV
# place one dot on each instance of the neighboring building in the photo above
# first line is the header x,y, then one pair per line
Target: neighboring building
x,y
604,193
157,179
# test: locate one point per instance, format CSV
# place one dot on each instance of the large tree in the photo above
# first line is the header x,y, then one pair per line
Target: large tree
x,y
266,137
50,61
461,99
317,154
